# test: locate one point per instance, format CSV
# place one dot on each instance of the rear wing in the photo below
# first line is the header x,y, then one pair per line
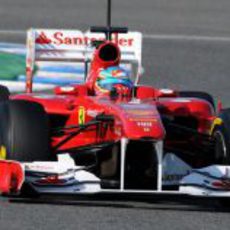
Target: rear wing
x,y
72,48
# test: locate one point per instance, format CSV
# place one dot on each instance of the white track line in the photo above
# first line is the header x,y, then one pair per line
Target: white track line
x,y
12,32
175,37
178,37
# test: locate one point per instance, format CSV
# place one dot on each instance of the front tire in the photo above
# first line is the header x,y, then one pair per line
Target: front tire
x,y
24,131
4,93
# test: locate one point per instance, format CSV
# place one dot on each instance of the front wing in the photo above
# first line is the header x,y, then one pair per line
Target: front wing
x,y
64,177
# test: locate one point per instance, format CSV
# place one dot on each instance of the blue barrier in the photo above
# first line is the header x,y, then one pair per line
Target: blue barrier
x,y
63,69
53,80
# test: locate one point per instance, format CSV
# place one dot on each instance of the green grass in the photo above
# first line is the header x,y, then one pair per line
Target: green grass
x,y
11,66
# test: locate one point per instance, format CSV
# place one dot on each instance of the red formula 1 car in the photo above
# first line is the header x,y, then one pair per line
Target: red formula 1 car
x,y
109,133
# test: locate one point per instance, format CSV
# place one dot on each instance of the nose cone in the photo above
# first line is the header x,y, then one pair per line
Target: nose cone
x,y
141,121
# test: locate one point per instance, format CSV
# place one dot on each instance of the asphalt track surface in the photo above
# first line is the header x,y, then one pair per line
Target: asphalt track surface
x,y
191,51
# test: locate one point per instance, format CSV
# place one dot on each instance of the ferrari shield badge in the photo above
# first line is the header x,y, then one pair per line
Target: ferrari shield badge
x,y
81,115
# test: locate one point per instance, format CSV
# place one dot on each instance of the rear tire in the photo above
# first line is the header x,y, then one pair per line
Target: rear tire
x,y
221,135
24,131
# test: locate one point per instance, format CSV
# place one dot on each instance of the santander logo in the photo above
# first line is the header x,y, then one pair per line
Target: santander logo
x,y
59,38
43,39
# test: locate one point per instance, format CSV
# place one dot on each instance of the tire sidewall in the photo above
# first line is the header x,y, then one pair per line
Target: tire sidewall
x,y
222,131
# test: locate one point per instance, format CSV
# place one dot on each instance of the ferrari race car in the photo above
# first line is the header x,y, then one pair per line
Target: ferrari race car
x,y
107,133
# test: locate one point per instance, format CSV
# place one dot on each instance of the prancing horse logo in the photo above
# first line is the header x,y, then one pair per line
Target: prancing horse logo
x,y
81,115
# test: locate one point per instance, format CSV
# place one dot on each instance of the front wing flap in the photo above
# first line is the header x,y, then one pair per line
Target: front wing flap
x,y
211,181
61,177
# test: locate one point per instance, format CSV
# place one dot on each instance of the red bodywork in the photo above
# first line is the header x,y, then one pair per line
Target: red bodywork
x,y
134,118
11,177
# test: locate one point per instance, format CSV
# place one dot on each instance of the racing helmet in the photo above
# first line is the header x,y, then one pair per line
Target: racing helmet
x,y
111,79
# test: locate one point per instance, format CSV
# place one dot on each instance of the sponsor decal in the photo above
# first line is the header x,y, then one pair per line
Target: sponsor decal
x,y
135,101
59,38
146,130
143,119
139,112
181,100
39,168
139,109
43,39
81,115
144,124
53,180
92,112
222,184
137,106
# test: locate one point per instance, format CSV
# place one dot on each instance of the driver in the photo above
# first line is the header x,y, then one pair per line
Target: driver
x,y
114,80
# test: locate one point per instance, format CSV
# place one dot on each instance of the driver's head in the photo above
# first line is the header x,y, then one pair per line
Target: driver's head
x,y
113,79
